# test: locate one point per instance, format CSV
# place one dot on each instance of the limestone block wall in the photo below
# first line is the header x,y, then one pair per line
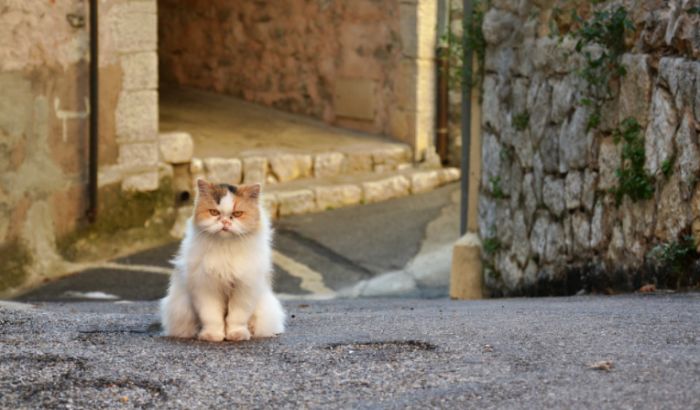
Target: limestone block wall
x,y
129,58
44,91
360,64
546,210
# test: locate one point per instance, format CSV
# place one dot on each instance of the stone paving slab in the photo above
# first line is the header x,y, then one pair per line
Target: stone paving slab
x,y
402,353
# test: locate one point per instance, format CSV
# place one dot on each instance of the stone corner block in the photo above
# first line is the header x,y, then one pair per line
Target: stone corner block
x,y
137,115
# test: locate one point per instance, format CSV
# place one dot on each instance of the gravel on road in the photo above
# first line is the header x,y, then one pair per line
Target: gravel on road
x,y
364,353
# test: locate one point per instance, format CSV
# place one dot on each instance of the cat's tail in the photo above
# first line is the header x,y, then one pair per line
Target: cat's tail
x,y
177,314
269,316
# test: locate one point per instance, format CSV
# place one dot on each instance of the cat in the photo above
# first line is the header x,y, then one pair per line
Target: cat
x,y
222,284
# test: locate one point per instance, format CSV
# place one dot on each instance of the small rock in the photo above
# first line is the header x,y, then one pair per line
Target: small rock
x,y
604,365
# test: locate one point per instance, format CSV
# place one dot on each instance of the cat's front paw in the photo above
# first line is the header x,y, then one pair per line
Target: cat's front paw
x,y
209,335
238,333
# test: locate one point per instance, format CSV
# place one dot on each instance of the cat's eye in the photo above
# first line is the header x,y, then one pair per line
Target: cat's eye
x,y
214,212
237,214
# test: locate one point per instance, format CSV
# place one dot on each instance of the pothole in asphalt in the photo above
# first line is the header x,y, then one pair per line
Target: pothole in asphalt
x,y
49,381
380,350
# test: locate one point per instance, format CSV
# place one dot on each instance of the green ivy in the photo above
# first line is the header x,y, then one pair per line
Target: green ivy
x,y
608,30
520,121
491,245
633,180
496,189
475,40
667,166
675,256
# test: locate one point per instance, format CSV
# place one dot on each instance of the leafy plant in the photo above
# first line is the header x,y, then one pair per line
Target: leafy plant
x,y
633,180
675,257
520,121
667,167
608,30
496,189
491,245
474,38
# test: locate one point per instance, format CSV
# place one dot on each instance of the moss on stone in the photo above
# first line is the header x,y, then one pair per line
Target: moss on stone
x,y
14,261
126,220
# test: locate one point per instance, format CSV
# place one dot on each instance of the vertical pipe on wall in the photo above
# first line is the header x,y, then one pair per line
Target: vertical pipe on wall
x,y
94,113
443,61
466,114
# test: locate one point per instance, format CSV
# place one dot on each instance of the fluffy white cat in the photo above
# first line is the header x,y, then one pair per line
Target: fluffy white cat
x,y
222,284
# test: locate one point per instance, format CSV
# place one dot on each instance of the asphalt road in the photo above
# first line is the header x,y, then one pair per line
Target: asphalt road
x,y
400,353
343,246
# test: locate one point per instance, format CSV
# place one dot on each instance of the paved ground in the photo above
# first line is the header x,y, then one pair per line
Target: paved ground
x,y
317,254
226,126
399,353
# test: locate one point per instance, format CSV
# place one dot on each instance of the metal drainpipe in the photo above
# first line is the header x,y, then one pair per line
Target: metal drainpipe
x,y
466,116
94,114
443,66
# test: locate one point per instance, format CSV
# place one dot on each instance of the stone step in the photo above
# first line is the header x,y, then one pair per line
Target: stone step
x,y
281,166
321,194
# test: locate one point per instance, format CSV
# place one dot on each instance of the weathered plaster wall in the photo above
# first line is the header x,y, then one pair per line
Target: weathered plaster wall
x,y
44,120
302,56
545,202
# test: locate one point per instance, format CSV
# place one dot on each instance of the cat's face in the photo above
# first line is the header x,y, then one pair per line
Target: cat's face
x,y
227,210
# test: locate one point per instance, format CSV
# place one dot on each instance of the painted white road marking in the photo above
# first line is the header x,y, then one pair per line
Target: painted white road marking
x,y
311,280
136,268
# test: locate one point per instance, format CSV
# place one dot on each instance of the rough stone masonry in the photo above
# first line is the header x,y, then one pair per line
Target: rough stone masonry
x,y
545,205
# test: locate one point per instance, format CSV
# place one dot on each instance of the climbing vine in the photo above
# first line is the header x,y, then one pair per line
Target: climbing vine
x,y
606,29
633,179
475,40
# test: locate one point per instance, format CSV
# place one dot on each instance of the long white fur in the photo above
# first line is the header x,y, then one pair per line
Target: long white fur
x,y
221,287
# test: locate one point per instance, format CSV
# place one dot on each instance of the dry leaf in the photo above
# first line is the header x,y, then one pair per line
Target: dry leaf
x,y
124,399
648,288
604,365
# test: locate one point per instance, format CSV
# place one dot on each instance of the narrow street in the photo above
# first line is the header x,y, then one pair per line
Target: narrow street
x,y
316,255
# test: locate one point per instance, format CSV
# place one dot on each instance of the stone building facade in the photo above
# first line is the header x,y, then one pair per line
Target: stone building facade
x,y
44,109
365,65
546,210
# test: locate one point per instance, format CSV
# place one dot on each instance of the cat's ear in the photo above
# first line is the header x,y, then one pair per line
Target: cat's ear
x,y
202,185
251,191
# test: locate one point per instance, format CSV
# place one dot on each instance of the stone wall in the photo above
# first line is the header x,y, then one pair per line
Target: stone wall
x,y
548,219
361,64
44,108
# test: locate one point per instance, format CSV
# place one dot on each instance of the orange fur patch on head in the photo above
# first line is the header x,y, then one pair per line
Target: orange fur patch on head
x,y
236,208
